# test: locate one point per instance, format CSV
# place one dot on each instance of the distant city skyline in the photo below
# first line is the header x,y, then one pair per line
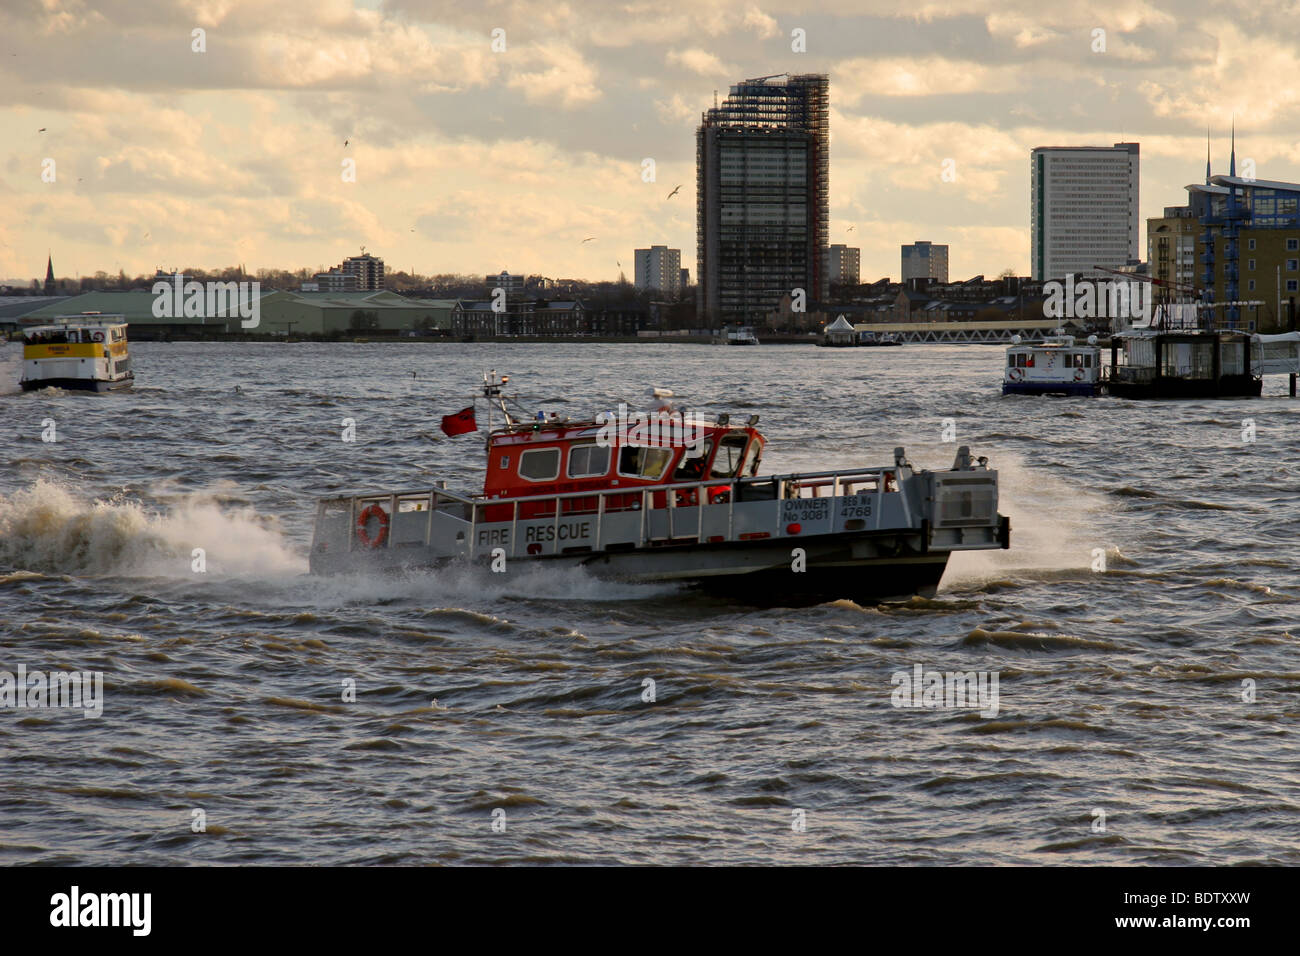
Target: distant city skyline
x,y
466,158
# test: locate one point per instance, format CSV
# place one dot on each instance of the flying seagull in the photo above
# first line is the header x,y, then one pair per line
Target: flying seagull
x,y
345,142
41,130
588,239
850,229
674,192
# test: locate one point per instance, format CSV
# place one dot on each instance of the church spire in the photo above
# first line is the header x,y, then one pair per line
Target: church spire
x,y
49,275
1207,156
1232,162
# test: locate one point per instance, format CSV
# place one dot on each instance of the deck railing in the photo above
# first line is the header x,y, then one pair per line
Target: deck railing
x,y
600,504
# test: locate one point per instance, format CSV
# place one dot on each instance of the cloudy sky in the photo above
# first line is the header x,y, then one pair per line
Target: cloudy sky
x,y
474,160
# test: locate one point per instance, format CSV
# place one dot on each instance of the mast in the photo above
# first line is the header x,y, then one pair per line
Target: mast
x,y
492,392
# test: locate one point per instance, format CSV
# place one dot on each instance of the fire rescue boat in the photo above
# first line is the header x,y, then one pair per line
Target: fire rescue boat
x,y
664,496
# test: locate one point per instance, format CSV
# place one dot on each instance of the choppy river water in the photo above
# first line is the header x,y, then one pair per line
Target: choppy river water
x,y
1148,711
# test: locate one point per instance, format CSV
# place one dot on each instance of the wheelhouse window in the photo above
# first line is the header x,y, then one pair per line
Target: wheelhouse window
x,y
588,461
731,452
540,464
692,468
648,463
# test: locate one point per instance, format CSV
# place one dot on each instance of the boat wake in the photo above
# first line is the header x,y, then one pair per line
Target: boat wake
x,y
463,585
1054,529
50,528
11,367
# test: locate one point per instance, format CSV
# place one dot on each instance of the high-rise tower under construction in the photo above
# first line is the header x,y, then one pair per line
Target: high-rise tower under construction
x,y
763,209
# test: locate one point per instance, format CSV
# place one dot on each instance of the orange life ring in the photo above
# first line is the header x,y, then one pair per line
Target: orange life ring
x,y
363,531
1080,375
97,336
1016,374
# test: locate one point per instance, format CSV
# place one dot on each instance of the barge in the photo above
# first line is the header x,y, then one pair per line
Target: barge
x,y
1191,363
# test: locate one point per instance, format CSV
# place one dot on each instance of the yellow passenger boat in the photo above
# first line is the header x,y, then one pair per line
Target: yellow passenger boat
x,y
87,352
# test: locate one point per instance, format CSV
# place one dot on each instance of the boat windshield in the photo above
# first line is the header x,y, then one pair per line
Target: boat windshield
x,y
731,451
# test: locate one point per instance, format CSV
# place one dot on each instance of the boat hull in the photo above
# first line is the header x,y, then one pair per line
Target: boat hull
x,y
1051,388
77,384
1229,386
862,582
862,568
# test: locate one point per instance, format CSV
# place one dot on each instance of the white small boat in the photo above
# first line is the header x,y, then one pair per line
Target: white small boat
x,y
742,336
1054,366
86,352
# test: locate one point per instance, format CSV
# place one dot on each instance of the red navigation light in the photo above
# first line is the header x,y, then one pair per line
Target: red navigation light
x,y
793,528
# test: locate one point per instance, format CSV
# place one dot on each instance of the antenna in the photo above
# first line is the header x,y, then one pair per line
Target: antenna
x,y
492,392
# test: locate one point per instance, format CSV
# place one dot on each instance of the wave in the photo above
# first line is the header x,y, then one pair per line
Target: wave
x,y
50,528
1186,504
1039,642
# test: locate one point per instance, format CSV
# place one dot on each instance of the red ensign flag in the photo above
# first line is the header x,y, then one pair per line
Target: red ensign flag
x,y
461,422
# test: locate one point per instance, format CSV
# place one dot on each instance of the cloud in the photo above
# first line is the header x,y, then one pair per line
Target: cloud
x,y
699,61
858,79
762,24
562,78
236,152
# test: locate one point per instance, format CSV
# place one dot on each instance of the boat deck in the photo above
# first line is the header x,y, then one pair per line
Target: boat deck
x,y
936,511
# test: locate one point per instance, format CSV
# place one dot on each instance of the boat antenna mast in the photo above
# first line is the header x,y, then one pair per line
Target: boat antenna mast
x,y
492,392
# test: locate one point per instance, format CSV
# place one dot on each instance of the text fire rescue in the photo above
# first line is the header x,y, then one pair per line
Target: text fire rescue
x,y
570,531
